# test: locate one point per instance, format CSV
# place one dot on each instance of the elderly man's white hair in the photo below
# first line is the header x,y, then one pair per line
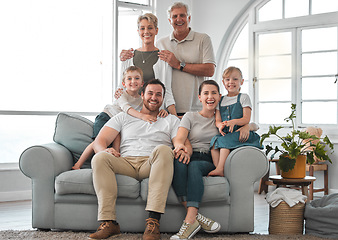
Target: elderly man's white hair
x,y
178,5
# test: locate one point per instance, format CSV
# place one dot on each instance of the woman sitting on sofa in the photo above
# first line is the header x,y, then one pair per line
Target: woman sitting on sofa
x,y
199,128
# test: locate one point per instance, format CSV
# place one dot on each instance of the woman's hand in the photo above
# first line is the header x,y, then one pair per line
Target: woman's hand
x,y
113,152
244,133
182,156
126,54
163,113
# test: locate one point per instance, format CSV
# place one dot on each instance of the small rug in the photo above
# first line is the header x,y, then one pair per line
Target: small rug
x,y
52,235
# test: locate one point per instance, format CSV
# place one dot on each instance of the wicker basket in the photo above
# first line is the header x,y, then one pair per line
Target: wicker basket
x,y
286,220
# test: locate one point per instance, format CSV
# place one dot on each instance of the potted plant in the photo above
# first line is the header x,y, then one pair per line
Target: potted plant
x,y
296,145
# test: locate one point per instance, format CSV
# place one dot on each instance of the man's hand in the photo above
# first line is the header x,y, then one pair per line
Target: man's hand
x,y
126,54
163,113
170,58
113,152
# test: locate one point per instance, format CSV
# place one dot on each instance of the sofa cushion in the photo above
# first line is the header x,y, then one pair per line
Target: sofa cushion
x,y
75,133
81,181
215,189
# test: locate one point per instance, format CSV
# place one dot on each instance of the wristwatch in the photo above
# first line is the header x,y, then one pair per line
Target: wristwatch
x,y
182,65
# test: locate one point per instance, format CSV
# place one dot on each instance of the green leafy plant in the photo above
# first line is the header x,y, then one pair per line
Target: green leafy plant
x,y
296,143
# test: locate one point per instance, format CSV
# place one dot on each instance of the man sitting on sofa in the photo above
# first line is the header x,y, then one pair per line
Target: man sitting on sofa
x,y
146,151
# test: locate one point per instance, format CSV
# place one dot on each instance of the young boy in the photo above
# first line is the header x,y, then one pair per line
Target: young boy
x,y
129,102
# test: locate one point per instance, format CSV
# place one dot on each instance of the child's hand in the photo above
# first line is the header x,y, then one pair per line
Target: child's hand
x,y
163,113
148,118
231,124
113,152
220,127
118,93
75,167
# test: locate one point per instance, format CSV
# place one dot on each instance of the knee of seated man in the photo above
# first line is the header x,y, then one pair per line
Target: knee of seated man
x,y
99,159
163,150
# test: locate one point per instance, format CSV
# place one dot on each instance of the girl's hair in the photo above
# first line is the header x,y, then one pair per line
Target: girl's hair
x,y
132,69
178,5
229,70
207,82
148,16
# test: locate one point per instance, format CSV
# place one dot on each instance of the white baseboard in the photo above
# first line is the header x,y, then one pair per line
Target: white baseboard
x,y
16,196
332,190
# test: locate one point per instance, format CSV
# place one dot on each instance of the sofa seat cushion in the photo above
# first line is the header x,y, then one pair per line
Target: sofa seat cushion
x,y
81,181
215,189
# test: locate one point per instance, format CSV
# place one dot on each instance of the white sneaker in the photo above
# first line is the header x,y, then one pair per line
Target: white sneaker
x,y
208,225
187,231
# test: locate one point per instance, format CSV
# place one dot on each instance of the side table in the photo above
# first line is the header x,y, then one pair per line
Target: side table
x,y
302,182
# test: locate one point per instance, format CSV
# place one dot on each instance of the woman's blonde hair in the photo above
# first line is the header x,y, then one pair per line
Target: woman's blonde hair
x,y
132,69
148,16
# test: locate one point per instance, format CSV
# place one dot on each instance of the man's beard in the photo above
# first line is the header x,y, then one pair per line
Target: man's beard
x,y
147,104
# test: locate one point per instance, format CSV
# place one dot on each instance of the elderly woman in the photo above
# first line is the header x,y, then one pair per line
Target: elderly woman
x,y
146,58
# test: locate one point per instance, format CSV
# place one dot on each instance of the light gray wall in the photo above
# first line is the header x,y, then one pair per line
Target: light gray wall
x,y
14,185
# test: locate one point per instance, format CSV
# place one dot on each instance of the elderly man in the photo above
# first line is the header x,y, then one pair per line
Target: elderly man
x,y
191,56
146,151
189,53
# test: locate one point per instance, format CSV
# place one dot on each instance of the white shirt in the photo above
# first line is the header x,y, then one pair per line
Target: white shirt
x,y
139,138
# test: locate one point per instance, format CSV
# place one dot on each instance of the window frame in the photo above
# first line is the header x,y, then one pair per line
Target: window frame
x,y
250,16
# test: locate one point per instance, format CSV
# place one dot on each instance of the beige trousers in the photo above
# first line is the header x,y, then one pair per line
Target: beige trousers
x,y
158,167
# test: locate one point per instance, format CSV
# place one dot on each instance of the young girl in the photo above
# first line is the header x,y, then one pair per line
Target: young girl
x,y
129,102
234,112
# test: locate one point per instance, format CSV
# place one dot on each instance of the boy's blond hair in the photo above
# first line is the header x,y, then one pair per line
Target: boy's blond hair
x,y
132,69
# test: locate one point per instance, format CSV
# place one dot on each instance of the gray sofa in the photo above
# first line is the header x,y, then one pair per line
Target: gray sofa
x,y
65,199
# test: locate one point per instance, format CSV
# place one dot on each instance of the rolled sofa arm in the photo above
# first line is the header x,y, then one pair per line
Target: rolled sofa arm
x,y
42,163
243,167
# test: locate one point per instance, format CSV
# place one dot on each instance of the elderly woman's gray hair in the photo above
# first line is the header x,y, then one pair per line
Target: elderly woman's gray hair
x,y
148,16
178,5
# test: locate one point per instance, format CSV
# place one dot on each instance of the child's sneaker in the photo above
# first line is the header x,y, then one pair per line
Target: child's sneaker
x,y
187,231
207,224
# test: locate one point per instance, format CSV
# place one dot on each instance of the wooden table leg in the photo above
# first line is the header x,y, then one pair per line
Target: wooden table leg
x,y
305,191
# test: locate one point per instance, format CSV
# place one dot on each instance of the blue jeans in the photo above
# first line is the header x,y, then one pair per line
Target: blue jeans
x,y
188,179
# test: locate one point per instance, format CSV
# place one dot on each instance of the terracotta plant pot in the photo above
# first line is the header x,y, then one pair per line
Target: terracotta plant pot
x,y
299,171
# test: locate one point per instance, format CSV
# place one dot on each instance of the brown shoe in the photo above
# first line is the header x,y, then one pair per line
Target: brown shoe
x,y
106,230
152,231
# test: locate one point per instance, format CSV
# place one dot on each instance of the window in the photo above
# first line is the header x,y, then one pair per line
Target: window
x,y
291,53
56,56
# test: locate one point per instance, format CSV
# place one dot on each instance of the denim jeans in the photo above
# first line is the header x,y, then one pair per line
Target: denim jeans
x,y
188,179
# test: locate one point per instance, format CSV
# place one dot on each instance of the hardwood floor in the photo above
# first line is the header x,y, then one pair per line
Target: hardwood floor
x,y
18,215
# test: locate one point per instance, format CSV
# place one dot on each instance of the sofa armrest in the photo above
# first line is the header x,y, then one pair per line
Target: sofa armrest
x,y
42,163
45,161
243,167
